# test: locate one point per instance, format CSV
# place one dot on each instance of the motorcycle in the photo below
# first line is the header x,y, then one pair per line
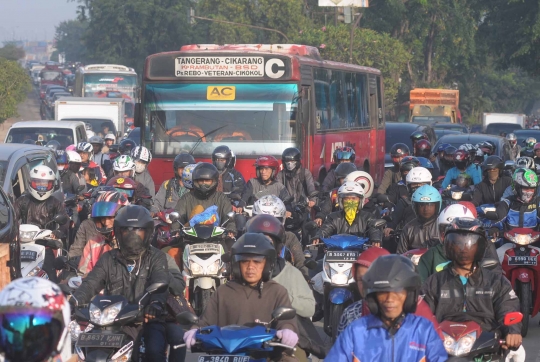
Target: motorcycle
x,y
103,338
162,224
455,195
519,262
464,340
238,343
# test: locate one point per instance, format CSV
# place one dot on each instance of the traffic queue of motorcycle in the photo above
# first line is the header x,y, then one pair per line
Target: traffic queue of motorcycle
x,y
443,251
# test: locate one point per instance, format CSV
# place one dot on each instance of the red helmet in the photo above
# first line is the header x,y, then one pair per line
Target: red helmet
x,y
268,225
462,158
368,257
422,148
124,185
267,161
536,146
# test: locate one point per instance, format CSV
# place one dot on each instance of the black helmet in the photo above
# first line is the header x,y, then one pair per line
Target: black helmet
x,y
128,220
417,136
464,232
493,162
391,273
54,145
268,225
290,159
399,150
126,146
205,171
182,160
222,152
253,244
408,163
344,169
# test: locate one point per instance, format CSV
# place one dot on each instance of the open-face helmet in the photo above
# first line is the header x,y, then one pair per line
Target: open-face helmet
x,y
252,245
267,161
125,146
124,163
426,194
416,178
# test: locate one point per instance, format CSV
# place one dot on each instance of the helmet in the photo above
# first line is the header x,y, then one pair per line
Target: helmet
x,y
42,180
422,148
34,320
344,153
141,153
268,225
253,244
478,156
182,160
391,273
464,232
86,147
271,205
525,179
110,136
127,223
124,163
221,152
511,137
449,153
54,145
233,160
364,179
525,162
408,163
125,146
418,175
491,163
399,150
425,163
449,214
344,169
73,156
530,142
61,159
351,188
205,171
267,161
536,147
291,159
368,257
462,159
486,147
107,205
71,148
187,175
96,140
124,185
417,136
426,194
464,180
441,149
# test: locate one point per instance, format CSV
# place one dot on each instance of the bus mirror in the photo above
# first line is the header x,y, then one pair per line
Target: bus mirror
x,y
280,114
138,119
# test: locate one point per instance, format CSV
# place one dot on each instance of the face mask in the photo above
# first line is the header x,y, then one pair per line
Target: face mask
x,y
291,165
140,167
220,165
350,207
526,196
132,245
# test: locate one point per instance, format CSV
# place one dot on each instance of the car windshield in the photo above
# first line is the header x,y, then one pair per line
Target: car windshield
x,y
252,118
99,85
430,120
64,136
98,126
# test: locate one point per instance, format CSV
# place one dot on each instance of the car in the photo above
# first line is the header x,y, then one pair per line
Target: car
x,y
502,147
502,129
65,132
399,132
443,132
451,127
44,88
9,234
523,134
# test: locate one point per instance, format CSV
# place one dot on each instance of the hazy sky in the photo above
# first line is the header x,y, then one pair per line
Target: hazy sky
x,y
33,19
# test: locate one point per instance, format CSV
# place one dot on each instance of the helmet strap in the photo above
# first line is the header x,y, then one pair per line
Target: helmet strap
x,y
393,325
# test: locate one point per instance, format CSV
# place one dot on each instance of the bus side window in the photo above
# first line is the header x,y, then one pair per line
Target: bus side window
x,y
361,84
338,100
357,100
373,109
380,110
322,98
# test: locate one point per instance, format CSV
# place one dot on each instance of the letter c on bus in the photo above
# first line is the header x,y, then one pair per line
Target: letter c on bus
x,y
226,91
269,68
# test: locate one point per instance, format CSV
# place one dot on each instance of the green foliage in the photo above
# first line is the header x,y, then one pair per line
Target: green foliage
x,y
69,35
11,52
14,85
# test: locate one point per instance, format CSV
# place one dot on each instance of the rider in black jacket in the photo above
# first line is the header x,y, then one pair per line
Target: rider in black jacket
x,y
492,187
230,182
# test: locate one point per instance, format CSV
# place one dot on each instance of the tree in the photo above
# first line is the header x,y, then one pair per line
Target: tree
x,y
69,39
14,85
11,52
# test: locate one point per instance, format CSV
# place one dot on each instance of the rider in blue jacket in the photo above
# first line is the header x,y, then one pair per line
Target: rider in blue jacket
x,y
462,162
391,332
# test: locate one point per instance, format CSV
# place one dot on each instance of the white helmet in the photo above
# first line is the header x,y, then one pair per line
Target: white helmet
x,y
271,205
351,188
141,153
110,136
86,147
419,175
124,163
187,174
38,316
364,179
42,180
73,156
449,214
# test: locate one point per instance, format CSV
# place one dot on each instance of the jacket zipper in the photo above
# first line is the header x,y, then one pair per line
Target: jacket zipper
x,y
392,348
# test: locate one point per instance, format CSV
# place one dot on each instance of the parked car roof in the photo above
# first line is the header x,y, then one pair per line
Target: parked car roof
x,y
451,126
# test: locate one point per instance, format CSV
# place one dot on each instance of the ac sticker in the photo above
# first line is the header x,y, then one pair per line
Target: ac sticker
x,y
221,93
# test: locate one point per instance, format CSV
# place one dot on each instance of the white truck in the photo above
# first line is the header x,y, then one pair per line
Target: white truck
x,y
497,123
101,115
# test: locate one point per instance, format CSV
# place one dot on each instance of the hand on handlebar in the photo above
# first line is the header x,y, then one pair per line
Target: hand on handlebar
x,y
318,221
189,338
288,214
387,232
288,337
315,241
512,341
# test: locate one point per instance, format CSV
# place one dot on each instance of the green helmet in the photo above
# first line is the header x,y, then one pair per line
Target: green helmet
x,y
530,142
525,179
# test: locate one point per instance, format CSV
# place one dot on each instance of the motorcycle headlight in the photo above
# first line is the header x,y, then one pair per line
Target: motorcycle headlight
x,y
36,270
328,270
524,239
106,316
457,195
449,344
195,268
27,236
461,347
74,330
214,268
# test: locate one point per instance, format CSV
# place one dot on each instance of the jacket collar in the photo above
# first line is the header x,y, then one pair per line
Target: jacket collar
x,y
474,279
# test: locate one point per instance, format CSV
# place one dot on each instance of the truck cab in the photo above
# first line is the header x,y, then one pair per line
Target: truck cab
x,y
428,106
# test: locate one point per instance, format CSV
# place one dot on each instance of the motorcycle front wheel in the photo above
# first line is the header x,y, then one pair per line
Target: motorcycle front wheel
x,y
525,302
336,311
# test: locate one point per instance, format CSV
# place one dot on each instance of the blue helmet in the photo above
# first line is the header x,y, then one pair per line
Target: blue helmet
x,y
442,147
425,163
427,194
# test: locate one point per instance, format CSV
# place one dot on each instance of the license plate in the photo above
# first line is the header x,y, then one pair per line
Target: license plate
x,y
223,359
522,260
28,255
332,255
205,248
100,340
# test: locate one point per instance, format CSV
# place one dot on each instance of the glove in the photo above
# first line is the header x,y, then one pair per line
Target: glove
x,y
189,338
288,337
152,311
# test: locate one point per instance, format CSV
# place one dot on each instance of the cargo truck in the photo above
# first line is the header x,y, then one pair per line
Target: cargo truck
x,y
497,123
429,106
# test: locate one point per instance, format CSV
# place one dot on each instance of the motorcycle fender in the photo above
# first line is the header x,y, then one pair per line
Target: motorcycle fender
x,y
97,354
339,296
523,275
204,283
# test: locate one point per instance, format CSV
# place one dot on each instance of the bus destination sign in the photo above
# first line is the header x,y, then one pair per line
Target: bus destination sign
x,y
229,67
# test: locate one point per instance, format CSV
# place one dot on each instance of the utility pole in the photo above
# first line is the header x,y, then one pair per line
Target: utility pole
x,y
353,26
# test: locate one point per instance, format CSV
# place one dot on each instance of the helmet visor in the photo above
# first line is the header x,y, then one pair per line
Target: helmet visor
x,y
462,242
42,185
246,257
105,209
128,193
29,334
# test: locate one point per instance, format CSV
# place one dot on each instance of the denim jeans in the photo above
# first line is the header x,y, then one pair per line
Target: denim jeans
x,y
156,338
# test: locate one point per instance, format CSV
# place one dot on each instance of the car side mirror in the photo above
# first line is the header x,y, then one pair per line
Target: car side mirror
x,y
283,313
512,318
187,318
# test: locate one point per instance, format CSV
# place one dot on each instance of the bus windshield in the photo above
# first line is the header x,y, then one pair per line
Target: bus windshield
x,y
99,85
253,119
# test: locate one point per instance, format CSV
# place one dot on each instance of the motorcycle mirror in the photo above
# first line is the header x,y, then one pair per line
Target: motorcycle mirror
x,y
509,165
283,313
60,262
489,263
382,198
230,215
378,223
155,288
61,219
512,318
173,216
311,264
187,318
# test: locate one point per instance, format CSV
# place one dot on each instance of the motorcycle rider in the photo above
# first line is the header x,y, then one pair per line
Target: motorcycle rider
x,y
36,206
109,141
462,185
400,190
129,270
494,183
251,294
34,318
142,157
172,190
86,151
205,194
330,203
351,219
391,287
515,149
99,157
462,162
417,136
340,155
420,232
464,244
124,170
527,151
393,175
69,175
297,180
230,182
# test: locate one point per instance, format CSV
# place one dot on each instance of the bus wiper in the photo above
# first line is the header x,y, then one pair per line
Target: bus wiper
x,y
204,136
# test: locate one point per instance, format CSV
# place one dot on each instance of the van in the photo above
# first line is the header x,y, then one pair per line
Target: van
x,y
65,132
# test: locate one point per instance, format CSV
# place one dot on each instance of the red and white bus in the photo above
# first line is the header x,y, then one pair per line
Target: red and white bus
x,y
260,100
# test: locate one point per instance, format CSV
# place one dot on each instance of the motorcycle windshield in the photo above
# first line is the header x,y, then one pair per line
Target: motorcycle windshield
x,y
345,241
